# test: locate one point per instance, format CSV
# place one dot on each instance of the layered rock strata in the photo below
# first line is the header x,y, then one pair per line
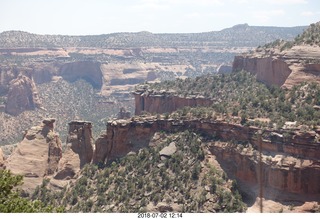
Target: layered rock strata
x,y
37,155
165,102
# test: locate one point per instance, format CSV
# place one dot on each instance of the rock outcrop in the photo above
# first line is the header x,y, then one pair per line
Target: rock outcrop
x,y
87,70
121,138
22,95
281,172
80,147
164,101
284,69
37,155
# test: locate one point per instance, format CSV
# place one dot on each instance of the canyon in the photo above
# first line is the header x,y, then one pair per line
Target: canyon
x,y
113,64
288,167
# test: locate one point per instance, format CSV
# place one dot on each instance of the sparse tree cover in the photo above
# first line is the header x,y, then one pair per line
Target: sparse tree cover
x,y
310,36
135,181
12,202
239,97
239,35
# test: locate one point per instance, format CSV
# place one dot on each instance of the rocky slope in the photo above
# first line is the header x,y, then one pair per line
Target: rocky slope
x,y
163,176
37,155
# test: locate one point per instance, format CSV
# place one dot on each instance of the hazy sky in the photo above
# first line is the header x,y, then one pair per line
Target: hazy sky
x,y
87,17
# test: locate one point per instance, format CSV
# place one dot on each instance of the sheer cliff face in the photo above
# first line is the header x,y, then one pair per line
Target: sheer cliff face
x,y
165,102
87,70
279,173
121,138
37,155
22,95
268,70
297,173
284,69
80,147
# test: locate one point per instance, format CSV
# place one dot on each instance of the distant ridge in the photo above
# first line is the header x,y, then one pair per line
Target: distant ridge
x,y
238,35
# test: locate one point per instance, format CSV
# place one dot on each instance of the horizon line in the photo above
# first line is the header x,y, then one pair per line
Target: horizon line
x,y
142,31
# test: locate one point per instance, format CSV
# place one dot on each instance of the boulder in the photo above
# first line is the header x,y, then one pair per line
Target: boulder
x,y
169,150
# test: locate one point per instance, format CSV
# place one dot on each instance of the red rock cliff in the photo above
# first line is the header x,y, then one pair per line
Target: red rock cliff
x,y
291,175
163,102
269,70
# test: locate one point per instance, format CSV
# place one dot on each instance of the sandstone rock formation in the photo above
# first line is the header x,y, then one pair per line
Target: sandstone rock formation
x,y
280,173
87,70
294,166
80,147
120,139
37,155
271,71
164,101
286,68
22,95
